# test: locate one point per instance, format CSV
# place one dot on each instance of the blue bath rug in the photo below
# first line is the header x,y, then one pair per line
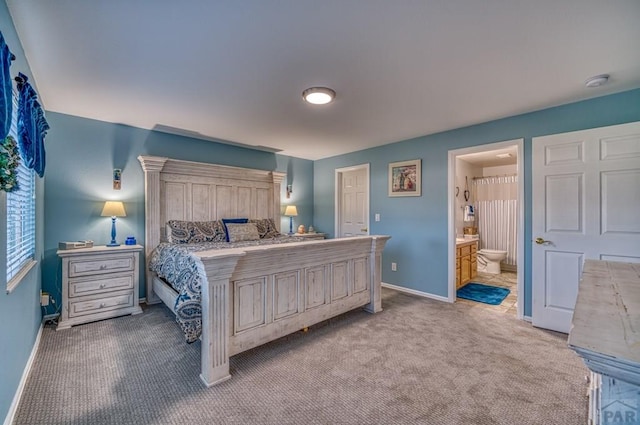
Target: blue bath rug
x,y
483,293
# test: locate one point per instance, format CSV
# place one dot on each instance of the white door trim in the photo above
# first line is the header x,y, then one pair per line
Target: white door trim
x,y
452,218
338,196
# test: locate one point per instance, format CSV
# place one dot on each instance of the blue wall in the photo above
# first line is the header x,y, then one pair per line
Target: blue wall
x,y
20,314
81,156
82,153
418,225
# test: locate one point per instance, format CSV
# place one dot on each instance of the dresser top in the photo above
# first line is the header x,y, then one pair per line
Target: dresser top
x,y
99,249
606,319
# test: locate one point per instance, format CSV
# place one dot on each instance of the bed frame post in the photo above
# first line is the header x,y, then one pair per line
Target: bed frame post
x,y
151,165
375,262
216,300
278,178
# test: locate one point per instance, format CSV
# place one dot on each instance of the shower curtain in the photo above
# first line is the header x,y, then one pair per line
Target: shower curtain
x,y
496,200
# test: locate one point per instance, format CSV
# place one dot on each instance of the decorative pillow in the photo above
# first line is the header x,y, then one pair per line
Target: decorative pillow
x,y
266,227
239,232
232,220
195,231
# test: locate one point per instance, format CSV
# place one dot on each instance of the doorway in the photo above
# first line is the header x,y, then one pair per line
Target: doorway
x,y
486,199
352,201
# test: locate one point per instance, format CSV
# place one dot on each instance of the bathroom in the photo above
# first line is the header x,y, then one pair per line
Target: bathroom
x,y
486,223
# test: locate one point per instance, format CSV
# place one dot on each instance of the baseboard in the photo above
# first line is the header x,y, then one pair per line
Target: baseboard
x,y
25,374
527,319
142,300
509,268
415,292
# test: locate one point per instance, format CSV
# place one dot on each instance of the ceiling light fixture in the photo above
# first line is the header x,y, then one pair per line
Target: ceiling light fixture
x,y
597,81
318,95
504,155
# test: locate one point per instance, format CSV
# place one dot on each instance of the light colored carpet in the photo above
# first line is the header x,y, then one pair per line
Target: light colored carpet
x,y
418,362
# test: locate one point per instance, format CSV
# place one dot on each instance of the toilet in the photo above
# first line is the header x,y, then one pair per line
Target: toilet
x,y
489,260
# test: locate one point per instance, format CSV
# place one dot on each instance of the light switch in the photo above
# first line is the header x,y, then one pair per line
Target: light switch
x,y
377,217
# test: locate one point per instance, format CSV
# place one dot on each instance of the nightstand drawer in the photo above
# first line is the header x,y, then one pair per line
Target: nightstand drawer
x,y
100,284
465,250
86,267
79,308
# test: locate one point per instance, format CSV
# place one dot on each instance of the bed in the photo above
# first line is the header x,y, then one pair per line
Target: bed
x,y
253,294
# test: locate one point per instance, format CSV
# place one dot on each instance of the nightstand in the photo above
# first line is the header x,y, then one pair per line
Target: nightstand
x,y
311,235
99,283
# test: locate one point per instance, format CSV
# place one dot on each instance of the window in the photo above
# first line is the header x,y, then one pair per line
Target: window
x,y
21,217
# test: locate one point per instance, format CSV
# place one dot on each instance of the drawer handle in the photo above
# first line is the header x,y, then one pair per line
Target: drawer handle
x,y
102,285
103,267
102,305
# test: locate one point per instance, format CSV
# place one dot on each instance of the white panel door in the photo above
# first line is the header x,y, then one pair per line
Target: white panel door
x,y
586,205
354,205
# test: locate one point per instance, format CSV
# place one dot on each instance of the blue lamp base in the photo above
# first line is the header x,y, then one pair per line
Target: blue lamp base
x,y
113,233
290,226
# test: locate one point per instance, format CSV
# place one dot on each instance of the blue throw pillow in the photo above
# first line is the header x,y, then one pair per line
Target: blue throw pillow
x,y
232,220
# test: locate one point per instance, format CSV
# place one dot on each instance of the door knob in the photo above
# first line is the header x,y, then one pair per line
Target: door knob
x,y
541,241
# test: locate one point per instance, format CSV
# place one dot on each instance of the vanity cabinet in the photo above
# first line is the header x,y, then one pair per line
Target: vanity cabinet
x,y
466,262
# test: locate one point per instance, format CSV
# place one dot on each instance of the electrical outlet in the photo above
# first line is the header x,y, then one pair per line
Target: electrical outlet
x,y
394,267
44,299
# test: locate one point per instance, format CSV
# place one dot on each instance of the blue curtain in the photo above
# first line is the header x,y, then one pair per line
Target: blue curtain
x,y
6,103
32,126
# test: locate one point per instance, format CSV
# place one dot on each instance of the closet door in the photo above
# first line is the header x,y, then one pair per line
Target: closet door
x,y
586,198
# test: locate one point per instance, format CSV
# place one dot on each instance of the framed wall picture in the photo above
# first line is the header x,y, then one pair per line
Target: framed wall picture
x,y
405,178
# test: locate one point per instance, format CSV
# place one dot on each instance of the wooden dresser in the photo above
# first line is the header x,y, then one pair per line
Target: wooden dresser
x,y
606,334
99,283
466,262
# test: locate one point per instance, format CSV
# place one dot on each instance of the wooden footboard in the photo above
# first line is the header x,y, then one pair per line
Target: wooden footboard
x,y
258,294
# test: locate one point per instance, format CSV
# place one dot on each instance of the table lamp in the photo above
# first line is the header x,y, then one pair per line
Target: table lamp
x,y
113,209
291,211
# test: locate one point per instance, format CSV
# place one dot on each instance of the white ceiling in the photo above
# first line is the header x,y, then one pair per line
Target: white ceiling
x,y
235,70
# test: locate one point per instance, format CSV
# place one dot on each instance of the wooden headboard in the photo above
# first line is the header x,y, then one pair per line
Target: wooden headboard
x,y
196,191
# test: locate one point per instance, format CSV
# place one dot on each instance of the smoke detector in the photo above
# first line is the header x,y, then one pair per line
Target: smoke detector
x,y
597,81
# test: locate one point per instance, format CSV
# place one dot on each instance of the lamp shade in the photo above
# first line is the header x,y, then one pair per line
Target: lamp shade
x,y
291,211
113,209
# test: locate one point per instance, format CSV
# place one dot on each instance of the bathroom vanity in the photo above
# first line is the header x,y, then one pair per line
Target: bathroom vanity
x,y
466,261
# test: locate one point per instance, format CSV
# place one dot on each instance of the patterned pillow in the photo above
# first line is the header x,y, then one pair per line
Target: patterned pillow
x,y
239,232
266,227
226,221
195,231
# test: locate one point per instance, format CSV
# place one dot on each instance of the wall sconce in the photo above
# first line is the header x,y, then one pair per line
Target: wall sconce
x,y
291,211
113,209
117,178
289,191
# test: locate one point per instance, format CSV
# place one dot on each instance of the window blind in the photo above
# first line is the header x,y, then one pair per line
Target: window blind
x,y
21,213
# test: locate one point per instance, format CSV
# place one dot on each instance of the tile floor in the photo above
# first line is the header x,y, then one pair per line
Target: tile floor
x,y
504,279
